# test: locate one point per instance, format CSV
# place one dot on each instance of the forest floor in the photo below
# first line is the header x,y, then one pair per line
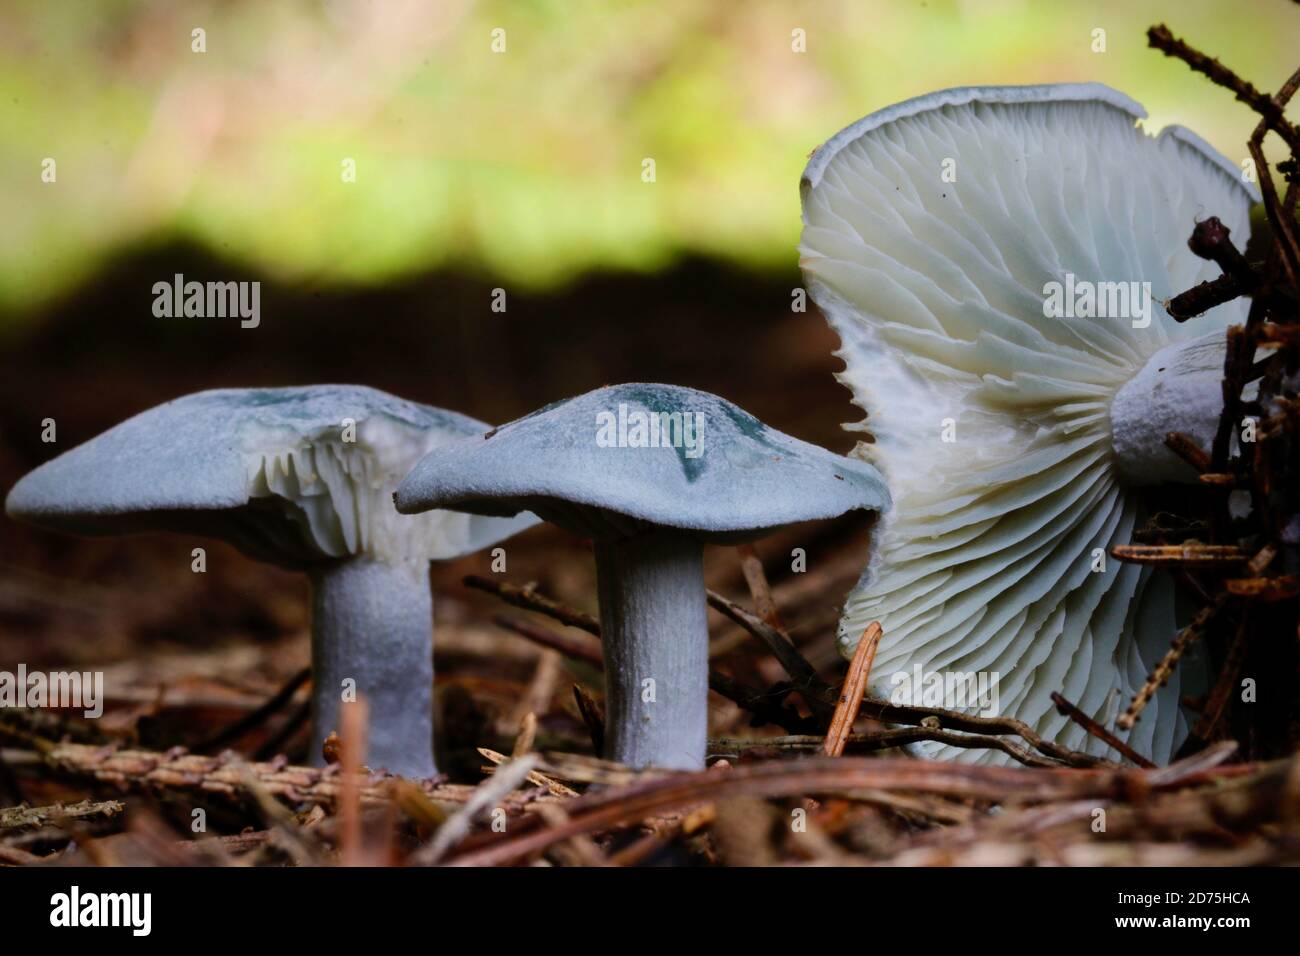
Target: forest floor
x,y
204,673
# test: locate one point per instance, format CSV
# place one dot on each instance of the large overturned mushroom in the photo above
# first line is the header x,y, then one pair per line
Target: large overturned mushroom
x,y
969,249
650,473
302,478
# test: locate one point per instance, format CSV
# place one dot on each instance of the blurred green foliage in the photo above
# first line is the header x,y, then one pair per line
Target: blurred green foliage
x,y
526,163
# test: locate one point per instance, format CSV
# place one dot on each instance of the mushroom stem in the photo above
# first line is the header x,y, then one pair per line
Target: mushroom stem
x,y
1177,390
654,628
372,623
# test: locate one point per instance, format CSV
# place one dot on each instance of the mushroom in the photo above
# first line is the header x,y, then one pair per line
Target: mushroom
x,y
649,473
301,478
936,234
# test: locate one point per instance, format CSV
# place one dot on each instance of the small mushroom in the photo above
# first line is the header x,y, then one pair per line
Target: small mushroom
x,y
650,473
301,478
1015,435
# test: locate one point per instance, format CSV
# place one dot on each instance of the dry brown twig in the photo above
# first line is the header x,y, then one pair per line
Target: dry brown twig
x,y
13,818
528,598
536,778
491,794
882,740
1270,109
1097,730
759,589
256,717
855,685
819,695
625,806
593,716
1160,675
227,775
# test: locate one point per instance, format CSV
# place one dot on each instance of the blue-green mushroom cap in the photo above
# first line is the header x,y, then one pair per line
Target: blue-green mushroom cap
x,y
613,461
295,476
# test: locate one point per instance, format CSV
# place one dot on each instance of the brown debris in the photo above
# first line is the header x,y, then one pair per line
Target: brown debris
x,y
855,685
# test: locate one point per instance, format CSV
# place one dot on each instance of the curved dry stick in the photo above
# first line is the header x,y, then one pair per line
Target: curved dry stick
x,y
785,778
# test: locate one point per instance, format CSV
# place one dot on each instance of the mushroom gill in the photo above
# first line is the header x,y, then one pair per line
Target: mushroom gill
x,y
934,231
340,489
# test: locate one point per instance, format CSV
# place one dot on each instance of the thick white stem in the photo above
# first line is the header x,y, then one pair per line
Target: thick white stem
x,y
372,625
654,628
1178,390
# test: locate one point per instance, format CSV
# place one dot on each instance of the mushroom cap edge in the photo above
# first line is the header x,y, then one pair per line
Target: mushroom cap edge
x,y
749,479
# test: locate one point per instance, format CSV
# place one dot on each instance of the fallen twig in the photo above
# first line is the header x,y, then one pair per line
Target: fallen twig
x,y
818,775
880,740
759,589
1097,730
491,793
1157,678
530,600
1162,39
592,715
537,778
254,718
14,818
1189,555
225,775
855,685
819,695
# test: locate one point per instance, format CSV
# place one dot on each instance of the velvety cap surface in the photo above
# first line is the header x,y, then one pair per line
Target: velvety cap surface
x,y
235,463
654,454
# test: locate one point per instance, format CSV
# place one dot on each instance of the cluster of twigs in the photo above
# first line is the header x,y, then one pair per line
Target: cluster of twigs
x,y
756,806
531,808
1241,553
